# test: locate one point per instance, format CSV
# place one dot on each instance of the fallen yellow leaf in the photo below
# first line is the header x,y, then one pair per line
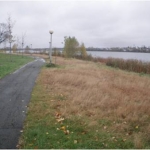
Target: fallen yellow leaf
x,y
75,141
137,127
60,119
63,128
124,140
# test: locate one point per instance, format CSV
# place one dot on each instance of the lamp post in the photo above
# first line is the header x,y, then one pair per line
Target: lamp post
x,y
50,51
31,49
22,48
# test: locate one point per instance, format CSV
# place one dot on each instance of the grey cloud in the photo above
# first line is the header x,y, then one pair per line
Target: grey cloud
x,y
96,23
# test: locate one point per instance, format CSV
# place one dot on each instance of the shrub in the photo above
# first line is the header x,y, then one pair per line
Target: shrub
x,y
130,65
51,65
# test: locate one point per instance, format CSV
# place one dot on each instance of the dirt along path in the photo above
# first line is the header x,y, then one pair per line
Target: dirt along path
x,y
15,92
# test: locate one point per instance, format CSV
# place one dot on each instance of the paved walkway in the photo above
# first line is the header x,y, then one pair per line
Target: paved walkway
x,y
15,92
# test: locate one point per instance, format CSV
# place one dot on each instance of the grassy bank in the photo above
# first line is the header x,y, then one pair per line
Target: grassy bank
x,y
82,104
9,64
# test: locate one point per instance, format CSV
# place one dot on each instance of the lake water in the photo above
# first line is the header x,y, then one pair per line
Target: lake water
x,y
124,55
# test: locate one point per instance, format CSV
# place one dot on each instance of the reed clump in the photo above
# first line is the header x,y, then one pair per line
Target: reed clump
x,y
129,64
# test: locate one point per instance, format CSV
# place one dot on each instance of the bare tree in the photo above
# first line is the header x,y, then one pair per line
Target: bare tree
x,y
11,38
19,44
3,32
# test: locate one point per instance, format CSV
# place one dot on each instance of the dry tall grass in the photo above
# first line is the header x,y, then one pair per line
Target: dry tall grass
x,y
91,90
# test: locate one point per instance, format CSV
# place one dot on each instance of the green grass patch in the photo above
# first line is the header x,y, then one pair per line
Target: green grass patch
x,y
10,63
48,134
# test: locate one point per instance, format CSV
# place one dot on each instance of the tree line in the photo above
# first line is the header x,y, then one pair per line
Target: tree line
x,y
142,49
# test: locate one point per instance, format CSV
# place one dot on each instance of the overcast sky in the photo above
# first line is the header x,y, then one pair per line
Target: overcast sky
x,y
112,23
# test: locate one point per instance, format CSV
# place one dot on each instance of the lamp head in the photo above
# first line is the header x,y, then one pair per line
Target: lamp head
x,y
51,32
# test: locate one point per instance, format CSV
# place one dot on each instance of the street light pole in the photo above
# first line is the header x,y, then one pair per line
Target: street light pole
x,y
22,44
50,51
10,51
31,49
23,36
22,48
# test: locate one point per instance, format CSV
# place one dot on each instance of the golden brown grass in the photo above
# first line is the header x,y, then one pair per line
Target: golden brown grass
x,y
93,91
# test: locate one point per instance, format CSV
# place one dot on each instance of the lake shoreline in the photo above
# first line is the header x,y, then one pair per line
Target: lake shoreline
x,y
123,55
115,51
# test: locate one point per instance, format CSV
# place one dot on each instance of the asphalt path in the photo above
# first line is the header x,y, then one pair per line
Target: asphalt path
x,y
15,92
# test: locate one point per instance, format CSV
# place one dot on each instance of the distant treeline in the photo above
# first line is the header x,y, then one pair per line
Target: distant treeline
x,y
142,49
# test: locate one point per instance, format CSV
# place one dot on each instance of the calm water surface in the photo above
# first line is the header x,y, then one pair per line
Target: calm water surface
x,y
124,55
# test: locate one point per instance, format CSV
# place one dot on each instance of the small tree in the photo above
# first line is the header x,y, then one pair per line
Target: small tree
x,y
11,38
82,50
14,48
27,49
71,47
18,43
